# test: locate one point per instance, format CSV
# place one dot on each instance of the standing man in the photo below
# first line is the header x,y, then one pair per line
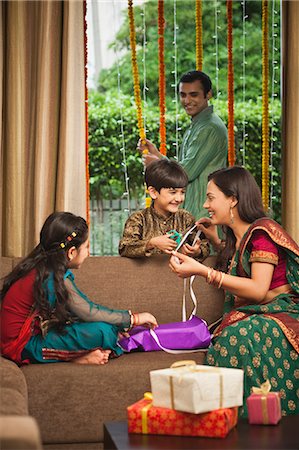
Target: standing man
x,y
204,146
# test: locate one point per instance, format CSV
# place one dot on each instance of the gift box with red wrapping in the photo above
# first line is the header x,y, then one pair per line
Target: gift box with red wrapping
x,y
263,406
145,418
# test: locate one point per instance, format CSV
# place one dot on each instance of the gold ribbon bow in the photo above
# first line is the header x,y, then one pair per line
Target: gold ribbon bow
x,y
263,390
190,366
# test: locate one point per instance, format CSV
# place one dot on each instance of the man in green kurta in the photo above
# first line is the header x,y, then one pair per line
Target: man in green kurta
x,y
204,146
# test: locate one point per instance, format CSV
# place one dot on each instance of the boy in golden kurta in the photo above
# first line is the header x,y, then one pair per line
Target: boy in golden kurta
x,y
154,229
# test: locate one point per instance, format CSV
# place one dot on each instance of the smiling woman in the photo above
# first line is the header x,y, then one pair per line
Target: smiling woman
x,y
259,265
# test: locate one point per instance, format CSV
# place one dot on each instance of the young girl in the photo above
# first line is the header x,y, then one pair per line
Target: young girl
x,y
259,270
44,316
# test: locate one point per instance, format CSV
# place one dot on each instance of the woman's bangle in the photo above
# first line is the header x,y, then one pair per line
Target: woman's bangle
x,y
208,277
221,280
136,319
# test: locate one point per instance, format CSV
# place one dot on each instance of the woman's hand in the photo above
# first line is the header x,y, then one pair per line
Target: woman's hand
x,y
146,319
184,266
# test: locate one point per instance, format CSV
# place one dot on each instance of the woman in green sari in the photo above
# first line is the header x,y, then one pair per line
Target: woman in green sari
x,y
258,267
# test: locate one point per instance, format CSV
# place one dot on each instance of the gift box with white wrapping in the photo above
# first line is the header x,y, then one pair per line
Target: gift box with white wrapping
x,y
197,389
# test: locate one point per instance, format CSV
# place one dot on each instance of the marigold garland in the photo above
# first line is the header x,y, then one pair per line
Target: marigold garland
x,y
198,28
162,82
135,72
230,84
265,107
86,114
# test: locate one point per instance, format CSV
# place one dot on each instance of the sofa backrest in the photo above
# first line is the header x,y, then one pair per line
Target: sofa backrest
x,y
144,284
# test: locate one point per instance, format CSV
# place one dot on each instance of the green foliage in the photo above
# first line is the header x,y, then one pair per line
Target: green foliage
x,y
185,19
107,175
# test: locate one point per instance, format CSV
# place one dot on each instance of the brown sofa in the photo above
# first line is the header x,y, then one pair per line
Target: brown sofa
x,y
66,403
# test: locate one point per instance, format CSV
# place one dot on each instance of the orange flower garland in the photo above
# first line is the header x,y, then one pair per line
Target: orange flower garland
x,y
198,28
265,111
135,72
230,84
162,82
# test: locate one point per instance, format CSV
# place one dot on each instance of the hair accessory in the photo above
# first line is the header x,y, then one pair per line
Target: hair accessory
x,y
68,239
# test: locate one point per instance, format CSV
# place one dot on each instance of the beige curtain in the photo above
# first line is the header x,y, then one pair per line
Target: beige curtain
x,y
43,121
290,68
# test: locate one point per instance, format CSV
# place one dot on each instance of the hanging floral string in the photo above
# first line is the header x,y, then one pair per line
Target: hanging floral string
x,y
243,47
137,94
265,107
230,84
162,82
198,27
86,114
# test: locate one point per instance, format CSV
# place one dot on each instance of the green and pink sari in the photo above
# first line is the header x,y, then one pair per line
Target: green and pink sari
x,y
263,339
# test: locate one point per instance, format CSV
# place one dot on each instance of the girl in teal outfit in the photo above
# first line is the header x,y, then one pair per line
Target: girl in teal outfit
x,y
259,271
45,317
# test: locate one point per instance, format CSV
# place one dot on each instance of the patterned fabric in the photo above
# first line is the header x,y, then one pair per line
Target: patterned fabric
x,y
95,326
203,150
263,340
143,225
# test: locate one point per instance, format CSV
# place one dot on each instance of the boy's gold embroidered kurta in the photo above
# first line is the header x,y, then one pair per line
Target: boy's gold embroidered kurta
x,y
146,224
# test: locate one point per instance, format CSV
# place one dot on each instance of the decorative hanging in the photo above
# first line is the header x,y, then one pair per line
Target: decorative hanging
x,y
162,82
243,47
230,84
86,114
135,72
265,107
217,11
198,27
175,85
275,67
126,193
137,93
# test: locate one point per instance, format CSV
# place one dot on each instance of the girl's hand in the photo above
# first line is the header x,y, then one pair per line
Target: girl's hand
x,y
146,319
163,243
184,266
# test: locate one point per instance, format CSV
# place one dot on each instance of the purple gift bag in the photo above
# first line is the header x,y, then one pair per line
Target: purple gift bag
x,y
176,337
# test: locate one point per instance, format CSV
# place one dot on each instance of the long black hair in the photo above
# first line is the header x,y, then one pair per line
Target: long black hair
x,y
237,182
61,231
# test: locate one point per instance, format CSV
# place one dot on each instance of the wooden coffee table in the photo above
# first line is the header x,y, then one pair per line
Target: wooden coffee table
x,y
285,435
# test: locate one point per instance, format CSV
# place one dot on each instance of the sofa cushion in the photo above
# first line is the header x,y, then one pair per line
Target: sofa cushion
x,y
19,432
81,398
13,389
146,284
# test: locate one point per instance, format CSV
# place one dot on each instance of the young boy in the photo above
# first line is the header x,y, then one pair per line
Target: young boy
x,y
152,230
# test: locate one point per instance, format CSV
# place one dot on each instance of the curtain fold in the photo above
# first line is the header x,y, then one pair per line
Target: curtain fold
x,y
290,72
43,122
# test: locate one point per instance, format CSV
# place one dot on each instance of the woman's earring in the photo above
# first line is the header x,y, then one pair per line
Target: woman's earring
x,y
232,217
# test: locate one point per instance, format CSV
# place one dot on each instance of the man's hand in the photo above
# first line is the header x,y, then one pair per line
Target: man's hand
x,y
149,147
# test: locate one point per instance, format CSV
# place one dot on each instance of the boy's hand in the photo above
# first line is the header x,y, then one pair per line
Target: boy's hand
x,y
163,243
192,250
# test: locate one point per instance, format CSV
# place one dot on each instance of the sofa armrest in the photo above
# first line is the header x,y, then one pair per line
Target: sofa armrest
x,y
19,433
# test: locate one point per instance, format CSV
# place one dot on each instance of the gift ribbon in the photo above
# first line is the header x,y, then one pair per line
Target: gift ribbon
x,y
190,366
263,390
144,410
